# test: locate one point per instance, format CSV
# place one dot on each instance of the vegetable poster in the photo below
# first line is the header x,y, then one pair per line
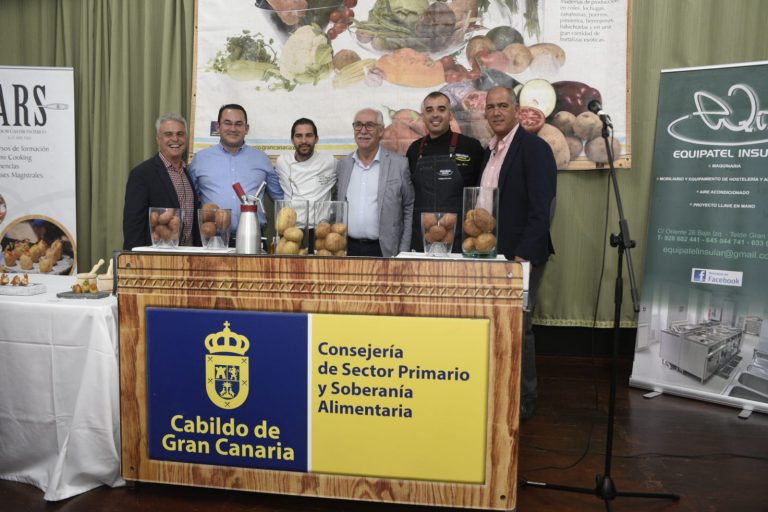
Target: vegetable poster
x,y
702,330
37,171
327,59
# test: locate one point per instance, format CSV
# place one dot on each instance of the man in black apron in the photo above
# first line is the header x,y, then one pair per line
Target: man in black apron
x,y
442,163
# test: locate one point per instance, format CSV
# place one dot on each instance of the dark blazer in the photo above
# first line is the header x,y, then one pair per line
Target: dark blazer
x,y
149,185
527,184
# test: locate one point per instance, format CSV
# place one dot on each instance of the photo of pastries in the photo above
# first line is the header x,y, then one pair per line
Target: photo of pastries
x,y
37,246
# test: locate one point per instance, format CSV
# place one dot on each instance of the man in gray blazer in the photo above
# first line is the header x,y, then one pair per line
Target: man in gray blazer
x,y
377,185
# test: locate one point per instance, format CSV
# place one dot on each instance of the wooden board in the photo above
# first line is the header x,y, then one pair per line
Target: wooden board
x,y
401,287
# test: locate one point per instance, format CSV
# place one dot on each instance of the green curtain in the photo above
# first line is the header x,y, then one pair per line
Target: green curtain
x,y
133,61
665,34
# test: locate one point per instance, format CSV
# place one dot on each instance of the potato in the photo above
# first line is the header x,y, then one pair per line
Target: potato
x,y
166,216
484,220
428,220
344,58
163,232
448,238
319,244
290,247
448,220
548,48
435,234
153,218
471,228
339,228
280,246
175,224
575,146
563,121
477,44
303,252
208,229
334,242
286,218
208,213
587,126
519,57
322,230
324,252
223,219
294,234
485,242
595,149
557,142
341,253
468,245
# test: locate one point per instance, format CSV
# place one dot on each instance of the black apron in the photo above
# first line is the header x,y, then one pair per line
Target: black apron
x,y
440,189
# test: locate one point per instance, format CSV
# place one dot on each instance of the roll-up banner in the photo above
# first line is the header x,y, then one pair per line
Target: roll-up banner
x,y
37,170
701,330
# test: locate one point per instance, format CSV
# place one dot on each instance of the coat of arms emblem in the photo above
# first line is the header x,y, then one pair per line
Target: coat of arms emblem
x,y
226,368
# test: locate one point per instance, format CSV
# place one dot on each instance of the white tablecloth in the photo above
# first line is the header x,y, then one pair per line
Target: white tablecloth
x,y
59,391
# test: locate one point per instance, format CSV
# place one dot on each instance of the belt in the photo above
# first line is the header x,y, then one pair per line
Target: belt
x,y
363,241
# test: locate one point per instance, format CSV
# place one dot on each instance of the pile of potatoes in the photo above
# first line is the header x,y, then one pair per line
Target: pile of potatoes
x,y
214,220
166,226
330,239
438,228
291,236
478,226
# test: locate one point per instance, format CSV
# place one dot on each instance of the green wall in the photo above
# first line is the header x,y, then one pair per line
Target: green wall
x,y
133,61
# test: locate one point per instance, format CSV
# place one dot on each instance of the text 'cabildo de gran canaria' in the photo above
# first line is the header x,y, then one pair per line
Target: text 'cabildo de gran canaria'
x,y
226,437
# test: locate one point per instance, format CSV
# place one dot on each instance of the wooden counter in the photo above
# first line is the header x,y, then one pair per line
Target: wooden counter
x,y
468,289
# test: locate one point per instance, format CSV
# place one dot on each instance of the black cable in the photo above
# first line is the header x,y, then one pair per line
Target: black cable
x,y
585,452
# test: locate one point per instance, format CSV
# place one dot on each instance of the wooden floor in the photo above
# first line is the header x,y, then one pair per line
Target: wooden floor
x,y
703,452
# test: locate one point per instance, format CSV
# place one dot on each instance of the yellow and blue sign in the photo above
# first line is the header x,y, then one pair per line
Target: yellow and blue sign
x,y
391,397
227,387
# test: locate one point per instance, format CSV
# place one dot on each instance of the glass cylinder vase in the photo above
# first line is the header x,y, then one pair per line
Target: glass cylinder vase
x,y
480,222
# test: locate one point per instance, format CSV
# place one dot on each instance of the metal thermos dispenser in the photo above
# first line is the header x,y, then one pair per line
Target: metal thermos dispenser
x,y
248,239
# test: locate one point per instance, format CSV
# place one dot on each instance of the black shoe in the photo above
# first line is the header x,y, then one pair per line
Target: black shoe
x,y
527,408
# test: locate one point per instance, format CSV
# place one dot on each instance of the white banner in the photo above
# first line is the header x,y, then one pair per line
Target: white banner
x,y
37,170
701,330
332,58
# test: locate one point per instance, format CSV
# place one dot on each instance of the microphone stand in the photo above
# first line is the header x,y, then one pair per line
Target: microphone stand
x,y
605,489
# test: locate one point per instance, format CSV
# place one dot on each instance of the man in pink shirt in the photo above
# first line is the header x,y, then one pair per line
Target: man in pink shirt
x,y
521,165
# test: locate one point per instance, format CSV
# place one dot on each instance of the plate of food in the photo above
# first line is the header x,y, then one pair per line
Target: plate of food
x,y
18,284
37,258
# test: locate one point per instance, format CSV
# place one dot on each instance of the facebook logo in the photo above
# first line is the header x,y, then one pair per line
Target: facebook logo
x,y
717,277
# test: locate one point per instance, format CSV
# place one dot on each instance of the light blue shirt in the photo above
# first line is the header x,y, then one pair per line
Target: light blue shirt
x,y
362,198
214,170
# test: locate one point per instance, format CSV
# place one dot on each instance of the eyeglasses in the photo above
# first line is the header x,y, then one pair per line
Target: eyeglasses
x,y
369,126
230,124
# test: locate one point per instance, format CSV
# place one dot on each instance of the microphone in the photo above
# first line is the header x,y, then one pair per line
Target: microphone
x,y
596,108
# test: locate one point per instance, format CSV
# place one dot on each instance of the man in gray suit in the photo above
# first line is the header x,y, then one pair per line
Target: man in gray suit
x,y
377,185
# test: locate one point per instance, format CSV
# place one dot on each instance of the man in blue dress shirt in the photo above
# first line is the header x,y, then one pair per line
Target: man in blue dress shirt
x,y
215,169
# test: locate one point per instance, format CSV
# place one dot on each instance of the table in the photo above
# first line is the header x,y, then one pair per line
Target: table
x,y
59,391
